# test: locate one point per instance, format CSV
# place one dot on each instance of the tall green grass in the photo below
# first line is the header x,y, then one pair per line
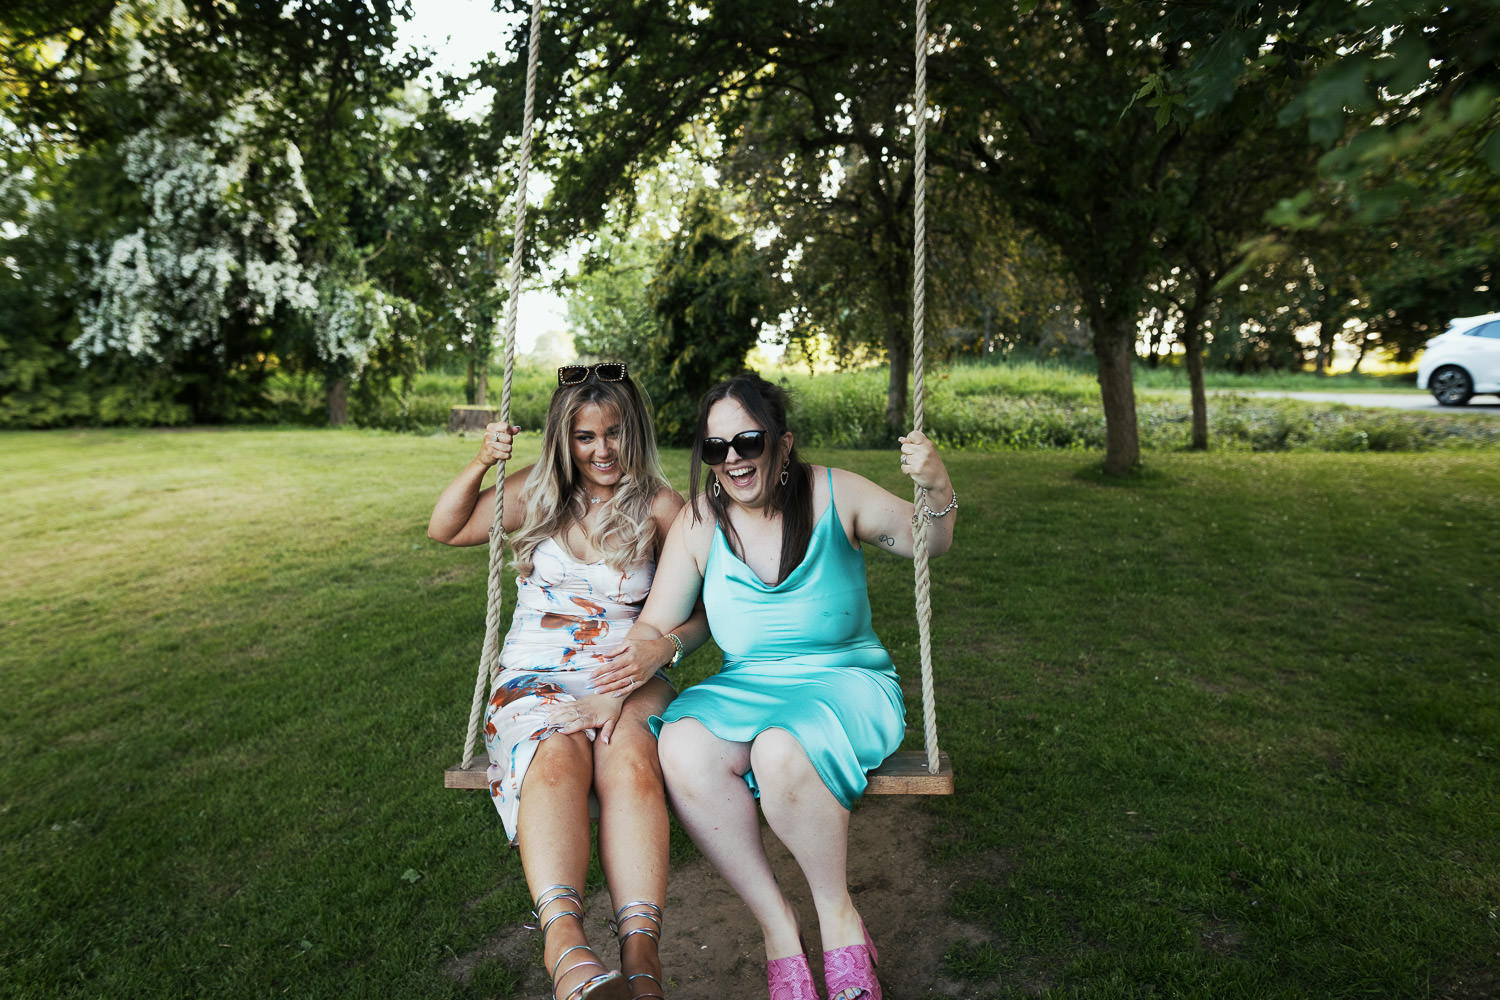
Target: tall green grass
x,y
1017,405
1390,378
1027,405
1228,729
422,406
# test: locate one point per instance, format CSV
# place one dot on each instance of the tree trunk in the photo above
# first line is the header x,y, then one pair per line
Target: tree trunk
x,y
895,394
1155,342
482,383
338,402
1192,344
1328,329
1114,349
1359,359
1325,350
897,271
469,384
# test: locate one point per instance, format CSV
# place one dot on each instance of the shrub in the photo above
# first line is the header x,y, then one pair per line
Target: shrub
x,y
1036,405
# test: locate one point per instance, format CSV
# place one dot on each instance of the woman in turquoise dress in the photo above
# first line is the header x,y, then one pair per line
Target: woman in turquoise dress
x,y
807,700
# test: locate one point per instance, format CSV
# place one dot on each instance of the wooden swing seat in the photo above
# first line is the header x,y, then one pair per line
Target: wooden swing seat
x,y
903,773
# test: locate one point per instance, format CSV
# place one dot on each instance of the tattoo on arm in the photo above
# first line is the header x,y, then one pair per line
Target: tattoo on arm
x,y
887,540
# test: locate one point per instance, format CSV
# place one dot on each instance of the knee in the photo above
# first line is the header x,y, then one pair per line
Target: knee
x,y
628,769
780,762
674,749
561,759
686,752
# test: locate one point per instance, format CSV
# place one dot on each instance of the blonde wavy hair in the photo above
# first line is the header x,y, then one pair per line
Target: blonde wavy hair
x,y
553,493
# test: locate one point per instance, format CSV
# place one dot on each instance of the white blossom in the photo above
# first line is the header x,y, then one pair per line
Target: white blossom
x,y
208,253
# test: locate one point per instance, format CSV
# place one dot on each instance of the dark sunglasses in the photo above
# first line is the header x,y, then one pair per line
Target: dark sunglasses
x,y
604,371
746,444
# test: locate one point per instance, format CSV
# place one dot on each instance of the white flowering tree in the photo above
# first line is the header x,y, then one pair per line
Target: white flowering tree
x,y
215,259
235,191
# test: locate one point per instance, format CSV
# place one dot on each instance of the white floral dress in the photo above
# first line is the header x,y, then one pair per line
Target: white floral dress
x,y
568,614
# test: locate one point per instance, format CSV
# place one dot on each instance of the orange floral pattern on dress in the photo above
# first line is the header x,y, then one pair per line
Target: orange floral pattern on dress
x,y
522,687
583,631
594,609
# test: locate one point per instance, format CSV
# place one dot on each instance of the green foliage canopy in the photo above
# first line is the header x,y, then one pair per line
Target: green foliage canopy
x,y
708,295
243,190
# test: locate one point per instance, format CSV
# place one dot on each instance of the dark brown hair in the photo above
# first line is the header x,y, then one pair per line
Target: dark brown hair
x,y
766,403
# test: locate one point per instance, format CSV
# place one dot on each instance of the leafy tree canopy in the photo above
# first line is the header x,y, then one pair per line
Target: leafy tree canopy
x,y
247,187
709,297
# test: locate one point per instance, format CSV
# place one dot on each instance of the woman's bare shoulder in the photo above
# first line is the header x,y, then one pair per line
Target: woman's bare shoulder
x,y
852,486
666,503
515,480
697,517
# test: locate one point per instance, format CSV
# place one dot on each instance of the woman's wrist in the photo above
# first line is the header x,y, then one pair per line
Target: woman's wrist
x,y
926,508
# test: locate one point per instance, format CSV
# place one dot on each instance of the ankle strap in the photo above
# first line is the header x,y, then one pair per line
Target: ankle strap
x,y
630,981
642,910
553,894
587,963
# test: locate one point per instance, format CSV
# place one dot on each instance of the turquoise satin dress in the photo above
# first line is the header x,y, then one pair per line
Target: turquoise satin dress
x,y
801,656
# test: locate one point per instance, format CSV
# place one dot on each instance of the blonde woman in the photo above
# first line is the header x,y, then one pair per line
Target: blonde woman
x,y
586,524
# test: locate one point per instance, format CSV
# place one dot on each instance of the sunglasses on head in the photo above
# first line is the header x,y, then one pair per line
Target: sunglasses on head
x,y
746,444
604,371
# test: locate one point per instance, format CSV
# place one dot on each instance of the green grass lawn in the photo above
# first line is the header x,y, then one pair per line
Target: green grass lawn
x,y
1230,729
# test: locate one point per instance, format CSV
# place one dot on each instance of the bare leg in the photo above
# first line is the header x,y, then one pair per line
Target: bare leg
x,y
813,825
705,779
553,832
634,832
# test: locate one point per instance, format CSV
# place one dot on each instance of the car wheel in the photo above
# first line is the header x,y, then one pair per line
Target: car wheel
x,y
1451,386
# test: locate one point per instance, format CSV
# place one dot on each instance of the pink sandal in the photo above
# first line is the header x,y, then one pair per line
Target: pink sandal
x,y
849,973
790,979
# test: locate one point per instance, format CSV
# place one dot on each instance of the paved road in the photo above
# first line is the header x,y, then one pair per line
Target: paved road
x,y
1392,400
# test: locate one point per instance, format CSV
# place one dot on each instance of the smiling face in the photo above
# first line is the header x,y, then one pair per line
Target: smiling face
x,y
746,481
594,443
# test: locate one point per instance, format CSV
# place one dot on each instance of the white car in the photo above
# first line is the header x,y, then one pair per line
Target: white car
x,y
1462,361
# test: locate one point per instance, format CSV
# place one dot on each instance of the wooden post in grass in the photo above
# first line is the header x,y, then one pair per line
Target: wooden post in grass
x,y
471,418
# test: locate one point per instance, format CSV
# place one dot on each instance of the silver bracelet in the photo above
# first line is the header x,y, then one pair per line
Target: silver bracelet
x,y
935,514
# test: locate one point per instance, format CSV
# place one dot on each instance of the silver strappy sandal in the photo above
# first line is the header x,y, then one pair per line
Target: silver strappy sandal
x,y
646,919
608,984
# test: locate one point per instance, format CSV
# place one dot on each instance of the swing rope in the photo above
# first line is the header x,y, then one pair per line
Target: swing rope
x,y
489,658
918,331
